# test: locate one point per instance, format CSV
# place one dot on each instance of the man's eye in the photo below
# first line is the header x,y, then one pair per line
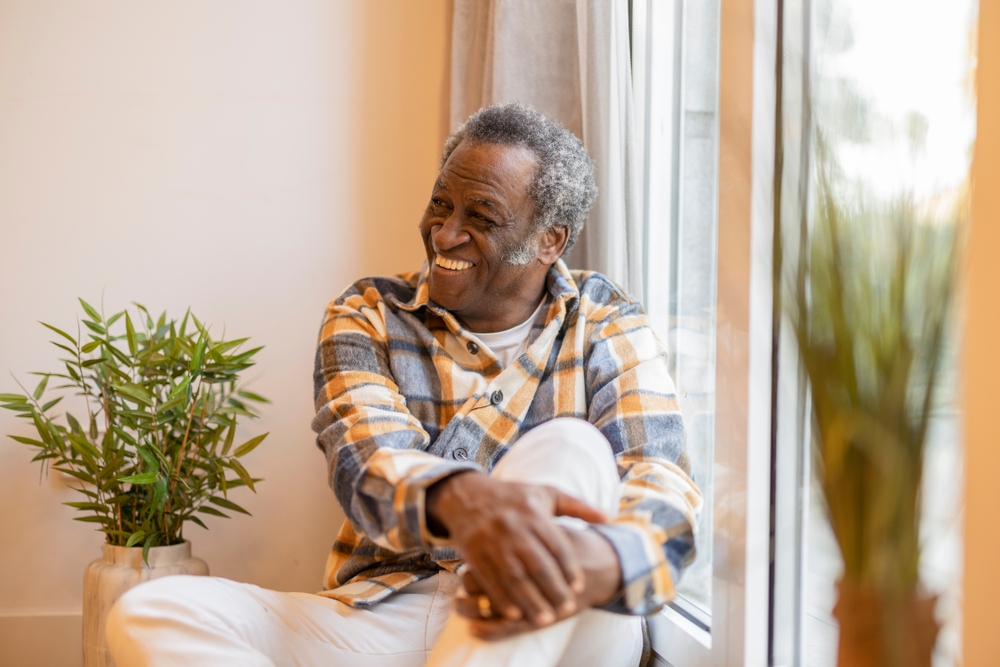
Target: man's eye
x,y
437,202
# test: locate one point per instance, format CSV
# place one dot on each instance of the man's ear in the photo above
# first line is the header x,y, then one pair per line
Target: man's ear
x,y
551,243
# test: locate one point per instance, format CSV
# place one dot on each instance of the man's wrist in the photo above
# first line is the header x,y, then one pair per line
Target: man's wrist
x,y
440,502
601,566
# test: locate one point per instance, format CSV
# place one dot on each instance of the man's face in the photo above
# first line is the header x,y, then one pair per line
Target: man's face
x,y
479,217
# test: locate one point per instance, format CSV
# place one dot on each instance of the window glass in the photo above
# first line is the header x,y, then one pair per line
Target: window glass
x,y
682,127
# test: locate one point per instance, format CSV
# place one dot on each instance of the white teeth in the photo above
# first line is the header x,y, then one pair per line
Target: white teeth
x,y
452,264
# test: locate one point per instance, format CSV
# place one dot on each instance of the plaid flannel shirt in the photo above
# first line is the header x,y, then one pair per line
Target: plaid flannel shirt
x,y
405,396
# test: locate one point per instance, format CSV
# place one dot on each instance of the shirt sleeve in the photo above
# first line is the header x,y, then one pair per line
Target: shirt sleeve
x,y
633,402
376,451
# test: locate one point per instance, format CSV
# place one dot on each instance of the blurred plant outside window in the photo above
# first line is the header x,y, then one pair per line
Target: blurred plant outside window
x,y
676,75
893,98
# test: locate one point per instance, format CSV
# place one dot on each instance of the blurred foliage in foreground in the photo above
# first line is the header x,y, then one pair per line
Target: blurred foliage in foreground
x,y
873,296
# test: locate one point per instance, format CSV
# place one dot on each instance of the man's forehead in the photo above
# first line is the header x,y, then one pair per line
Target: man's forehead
x,y
497,167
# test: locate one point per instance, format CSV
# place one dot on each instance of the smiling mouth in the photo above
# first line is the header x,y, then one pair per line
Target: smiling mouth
x,y
452,264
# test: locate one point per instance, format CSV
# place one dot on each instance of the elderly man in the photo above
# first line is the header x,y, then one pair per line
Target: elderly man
x,y
502,434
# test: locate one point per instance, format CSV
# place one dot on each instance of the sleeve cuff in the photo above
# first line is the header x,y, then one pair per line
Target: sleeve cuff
x,y
411,502
647,575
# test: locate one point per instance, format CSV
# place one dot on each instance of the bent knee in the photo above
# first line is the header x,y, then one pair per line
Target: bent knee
x,y
175,596
581,435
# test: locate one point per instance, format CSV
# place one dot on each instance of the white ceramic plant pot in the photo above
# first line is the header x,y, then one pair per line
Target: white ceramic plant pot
x,y
121,568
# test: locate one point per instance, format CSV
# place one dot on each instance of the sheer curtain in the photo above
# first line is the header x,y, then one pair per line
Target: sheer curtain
x,y
570,59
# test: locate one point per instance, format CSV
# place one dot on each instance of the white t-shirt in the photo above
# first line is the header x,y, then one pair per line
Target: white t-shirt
x,y
508,345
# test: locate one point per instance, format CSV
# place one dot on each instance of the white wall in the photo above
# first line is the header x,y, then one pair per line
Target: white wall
x,y
242,157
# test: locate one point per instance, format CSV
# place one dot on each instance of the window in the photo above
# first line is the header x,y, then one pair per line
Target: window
x,y
890,86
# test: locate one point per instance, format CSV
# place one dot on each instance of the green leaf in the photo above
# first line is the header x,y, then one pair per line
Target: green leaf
x,y
13,398
79,474
197,521
95,519
159,496
113,531
96,328
136,392
142,478
82,446
93,362
64,347
135,538
249,445
239,359
150,540
43,432
96,507
114,318
228,345
40,389
181,388
60,332
250,396
211,510
228,504
199,354
121,356
229,438
149,458
174,402
91,346
51,404
74,425
133,344
242,472
27,441
124,435
94,315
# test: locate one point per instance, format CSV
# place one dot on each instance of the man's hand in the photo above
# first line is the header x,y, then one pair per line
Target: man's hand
x,y
603,581
522,560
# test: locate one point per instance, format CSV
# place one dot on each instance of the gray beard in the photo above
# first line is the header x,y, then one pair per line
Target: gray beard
x,y
524,253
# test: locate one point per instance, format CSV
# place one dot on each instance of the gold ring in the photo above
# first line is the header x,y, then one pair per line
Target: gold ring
x,y
485,608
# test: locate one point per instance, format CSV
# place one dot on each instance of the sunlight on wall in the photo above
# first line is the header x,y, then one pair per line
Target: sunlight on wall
x,y
247,159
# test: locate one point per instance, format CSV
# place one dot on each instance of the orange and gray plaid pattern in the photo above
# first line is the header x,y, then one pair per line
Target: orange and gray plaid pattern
x,y
405,397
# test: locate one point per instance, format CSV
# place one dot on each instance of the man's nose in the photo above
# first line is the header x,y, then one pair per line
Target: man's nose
x,y
450,234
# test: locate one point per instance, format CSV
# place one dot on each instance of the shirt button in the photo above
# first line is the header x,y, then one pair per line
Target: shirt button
x,y
472,347
461,454
497,397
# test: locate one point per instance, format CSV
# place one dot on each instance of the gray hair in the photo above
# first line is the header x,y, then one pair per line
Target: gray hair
x,y
564,188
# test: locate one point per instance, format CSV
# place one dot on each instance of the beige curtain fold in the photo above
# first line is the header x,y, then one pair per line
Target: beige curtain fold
x,y
570,59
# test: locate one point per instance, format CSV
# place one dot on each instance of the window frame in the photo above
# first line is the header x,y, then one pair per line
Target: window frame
x,y
739,628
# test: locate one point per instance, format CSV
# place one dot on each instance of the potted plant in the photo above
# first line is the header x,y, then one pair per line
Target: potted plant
x,y
870,310
153,448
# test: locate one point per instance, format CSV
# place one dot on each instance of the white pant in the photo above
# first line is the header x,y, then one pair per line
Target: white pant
x,y
208,621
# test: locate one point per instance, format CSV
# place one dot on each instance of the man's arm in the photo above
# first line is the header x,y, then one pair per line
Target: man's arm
x,y
376,450
634,405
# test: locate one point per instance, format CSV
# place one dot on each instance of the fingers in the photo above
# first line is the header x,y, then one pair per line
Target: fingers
x,y
547,572
520,586
489,629
470,584
567,505
557,542
490,579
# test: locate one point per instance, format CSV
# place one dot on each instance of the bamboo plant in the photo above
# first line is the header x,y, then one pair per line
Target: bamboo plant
x,y
155,445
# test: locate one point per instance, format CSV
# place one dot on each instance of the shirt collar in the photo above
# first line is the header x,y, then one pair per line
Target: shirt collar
x,y
561,287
